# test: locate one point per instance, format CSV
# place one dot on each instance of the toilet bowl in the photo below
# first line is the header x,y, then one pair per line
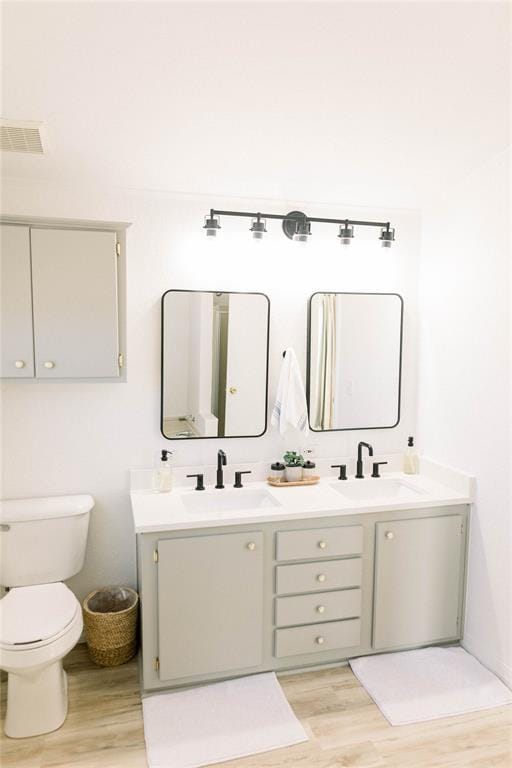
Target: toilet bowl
x,y
39,625
43,543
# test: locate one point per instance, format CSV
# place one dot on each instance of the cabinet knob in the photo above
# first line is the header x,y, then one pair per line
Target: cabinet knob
x,y
49,364
322,544
321,577
233,390
252,546
19,364
320,608
389,535
320,640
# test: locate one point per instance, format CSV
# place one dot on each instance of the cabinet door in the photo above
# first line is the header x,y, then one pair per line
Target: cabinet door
x,y
418,573
74,274
210,604
17,359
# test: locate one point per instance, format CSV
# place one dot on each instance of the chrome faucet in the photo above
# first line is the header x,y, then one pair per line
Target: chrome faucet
x,y
221,462
359,471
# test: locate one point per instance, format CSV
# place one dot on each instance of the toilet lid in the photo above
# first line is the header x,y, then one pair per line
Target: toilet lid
x,y
31,614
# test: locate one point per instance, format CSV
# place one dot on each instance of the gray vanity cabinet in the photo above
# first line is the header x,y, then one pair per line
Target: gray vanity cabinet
x,y
210,604
227,601
418,581
17,357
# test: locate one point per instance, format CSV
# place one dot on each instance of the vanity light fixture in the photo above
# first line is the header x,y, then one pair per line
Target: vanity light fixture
x,y
297,225
302,230
258,227
387,235
346,234
211,225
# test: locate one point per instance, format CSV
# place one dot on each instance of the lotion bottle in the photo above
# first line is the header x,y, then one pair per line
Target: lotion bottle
x,y
163,474
411,459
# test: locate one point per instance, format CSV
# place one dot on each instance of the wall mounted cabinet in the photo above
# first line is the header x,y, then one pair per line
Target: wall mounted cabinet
x,y
17,357
62,301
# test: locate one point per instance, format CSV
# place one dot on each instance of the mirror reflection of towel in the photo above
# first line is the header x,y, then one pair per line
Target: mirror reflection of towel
x,y
290,410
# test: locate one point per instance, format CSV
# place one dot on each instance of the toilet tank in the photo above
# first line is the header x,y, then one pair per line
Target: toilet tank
x,y
43,540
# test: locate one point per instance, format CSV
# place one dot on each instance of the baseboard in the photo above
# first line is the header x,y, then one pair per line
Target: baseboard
x,y
501,670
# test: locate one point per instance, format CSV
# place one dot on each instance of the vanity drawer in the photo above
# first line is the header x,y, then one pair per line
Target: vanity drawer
x,y
321,606
317,638
315,577
319,542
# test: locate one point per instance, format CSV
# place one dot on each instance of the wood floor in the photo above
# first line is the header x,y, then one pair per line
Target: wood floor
x,y
104,728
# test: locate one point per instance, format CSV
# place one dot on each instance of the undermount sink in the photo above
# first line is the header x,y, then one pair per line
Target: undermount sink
x,y
229,501
366,490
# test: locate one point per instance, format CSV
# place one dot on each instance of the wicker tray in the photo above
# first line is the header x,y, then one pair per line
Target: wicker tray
x,y
313,480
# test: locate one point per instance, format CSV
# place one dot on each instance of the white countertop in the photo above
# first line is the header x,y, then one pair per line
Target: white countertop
x,y
436,486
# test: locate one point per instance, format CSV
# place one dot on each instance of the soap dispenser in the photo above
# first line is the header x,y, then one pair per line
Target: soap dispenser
x,y
163,474
411,459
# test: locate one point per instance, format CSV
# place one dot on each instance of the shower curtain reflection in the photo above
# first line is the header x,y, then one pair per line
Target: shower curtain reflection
x,y
325,364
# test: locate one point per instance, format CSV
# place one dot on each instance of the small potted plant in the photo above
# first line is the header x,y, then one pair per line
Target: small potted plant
x,y
293,466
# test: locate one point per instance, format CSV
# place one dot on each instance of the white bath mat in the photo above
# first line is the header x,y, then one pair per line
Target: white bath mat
x,y
222,721
413,686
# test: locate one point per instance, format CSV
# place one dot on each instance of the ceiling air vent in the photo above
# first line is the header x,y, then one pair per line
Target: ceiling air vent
x,y
20,136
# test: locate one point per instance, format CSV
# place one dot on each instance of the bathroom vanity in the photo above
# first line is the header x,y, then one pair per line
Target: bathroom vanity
x,y
235,582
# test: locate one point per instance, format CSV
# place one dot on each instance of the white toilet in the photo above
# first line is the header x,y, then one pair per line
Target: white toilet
x,y
42,543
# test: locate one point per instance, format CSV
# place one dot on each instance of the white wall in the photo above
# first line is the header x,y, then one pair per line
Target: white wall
x,y
176,361
200,355
464,383
78,437
366,392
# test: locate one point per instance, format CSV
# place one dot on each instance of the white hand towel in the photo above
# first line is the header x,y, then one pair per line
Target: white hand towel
x,y
290,410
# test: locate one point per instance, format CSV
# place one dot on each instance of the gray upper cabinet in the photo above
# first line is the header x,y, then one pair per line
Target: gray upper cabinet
x,y
210,604
62,291
418,581
17,358
74,278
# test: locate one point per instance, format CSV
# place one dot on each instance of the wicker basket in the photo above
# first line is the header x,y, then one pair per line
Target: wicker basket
x,y
110,618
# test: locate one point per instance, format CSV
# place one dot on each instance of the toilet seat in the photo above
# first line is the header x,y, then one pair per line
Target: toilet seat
x,y
32,617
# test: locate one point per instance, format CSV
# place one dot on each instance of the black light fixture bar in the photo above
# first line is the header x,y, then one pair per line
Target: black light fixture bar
x,y
297,225
287,217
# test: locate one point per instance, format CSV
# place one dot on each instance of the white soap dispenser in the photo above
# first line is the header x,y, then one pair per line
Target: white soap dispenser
x,y
411,459
163,474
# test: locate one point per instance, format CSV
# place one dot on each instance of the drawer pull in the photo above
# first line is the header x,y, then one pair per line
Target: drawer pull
x,y
19,364
320,640
252,546
321,577
320,609
390,535
322,544
49,364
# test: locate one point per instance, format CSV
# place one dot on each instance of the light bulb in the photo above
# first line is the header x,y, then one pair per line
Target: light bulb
x,y
387,236
211,225
346,234
302,231
258,228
